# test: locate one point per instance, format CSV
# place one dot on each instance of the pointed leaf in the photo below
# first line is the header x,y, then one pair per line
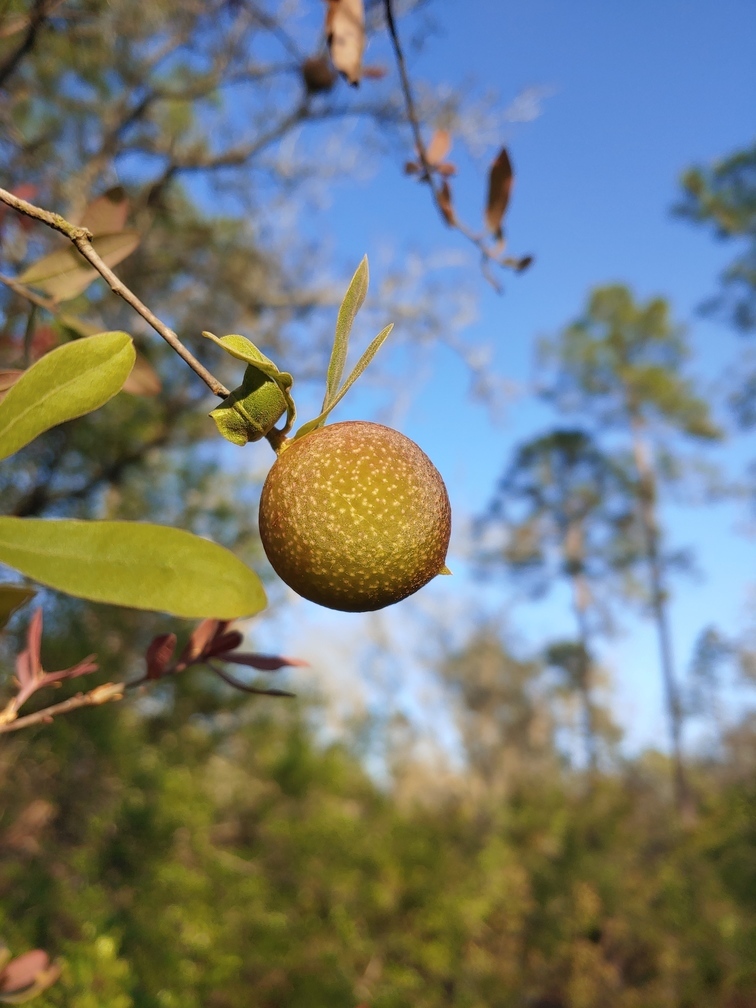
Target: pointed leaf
x,y
66,273
70,381
132,564
265,663
107,214
359,367
353,301
345,34
500,180
445,202
12,597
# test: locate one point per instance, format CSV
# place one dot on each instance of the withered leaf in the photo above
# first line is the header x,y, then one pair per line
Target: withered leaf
x,y
107,214
500,180
143,380
318,75
345,34
411,168
445,203
439,147
446,168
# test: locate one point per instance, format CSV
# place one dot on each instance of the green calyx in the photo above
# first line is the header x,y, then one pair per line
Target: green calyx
x,y
252,410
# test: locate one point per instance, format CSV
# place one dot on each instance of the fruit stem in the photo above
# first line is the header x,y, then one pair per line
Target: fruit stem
x,y
277,440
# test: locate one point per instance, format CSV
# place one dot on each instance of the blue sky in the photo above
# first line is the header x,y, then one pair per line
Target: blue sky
x,y
638,92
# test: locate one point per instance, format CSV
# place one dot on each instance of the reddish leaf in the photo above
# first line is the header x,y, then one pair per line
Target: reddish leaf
x,y
159,653
500,179
201,637
345,34
28,971
28,663
439,147
225,642
266,663
318,74
107,214
445,202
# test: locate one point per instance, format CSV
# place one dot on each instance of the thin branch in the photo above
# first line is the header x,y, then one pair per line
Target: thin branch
x,y
36,299
80,237
487,256
99,695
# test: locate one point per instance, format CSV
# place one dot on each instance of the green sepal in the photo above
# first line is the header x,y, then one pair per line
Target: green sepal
x,y
242,416
251,410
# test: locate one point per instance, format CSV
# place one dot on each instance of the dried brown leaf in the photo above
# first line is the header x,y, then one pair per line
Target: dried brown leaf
x,y
143,380
345,34
411,168
439,147
107,214
446,168
318,74
445,202
500,179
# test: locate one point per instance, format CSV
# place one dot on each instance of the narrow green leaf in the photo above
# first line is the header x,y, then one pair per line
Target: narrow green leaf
x,y
353,301
133,564
70,381
359,367
66,273
12,597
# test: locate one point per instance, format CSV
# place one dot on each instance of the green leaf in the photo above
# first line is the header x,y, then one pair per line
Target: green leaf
x,y
12,597
133,564
70,381
359,367
66,273
353,301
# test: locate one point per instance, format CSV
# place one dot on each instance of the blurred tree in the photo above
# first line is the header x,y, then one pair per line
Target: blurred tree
x,y
621,364
500,704
564,510
723,196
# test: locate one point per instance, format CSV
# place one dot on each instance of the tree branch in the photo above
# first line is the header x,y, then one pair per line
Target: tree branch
x,y
80,237
487,256
99,695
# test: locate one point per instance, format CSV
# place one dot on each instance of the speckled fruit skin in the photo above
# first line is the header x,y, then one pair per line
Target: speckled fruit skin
x,y
354,516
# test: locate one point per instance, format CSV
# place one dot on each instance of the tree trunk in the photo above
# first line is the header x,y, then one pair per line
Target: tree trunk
x,y
650,527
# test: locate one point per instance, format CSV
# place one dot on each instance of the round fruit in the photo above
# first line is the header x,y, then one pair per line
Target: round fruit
x,y
355,516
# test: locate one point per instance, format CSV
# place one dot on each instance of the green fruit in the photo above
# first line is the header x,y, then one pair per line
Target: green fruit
x,y
354,516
